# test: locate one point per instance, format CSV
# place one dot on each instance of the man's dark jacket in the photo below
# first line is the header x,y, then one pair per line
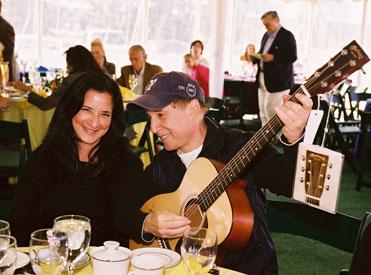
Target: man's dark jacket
x,y
269,170
279,74
7,37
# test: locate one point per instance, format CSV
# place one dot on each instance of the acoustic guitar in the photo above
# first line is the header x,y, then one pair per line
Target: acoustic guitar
x,y
212,196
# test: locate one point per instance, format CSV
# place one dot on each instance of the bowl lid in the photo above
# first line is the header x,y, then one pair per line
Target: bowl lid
x,y
111,252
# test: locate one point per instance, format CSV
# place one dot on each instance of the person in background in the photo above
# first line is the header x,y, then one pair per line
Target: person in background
x,y
176,107
97,50
79,60
7,37
140,71
196,50
198,72
248,67
275,75
84,165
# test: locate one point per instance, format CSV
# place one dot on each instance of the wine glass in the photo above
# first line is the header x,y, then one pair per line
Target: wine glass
x,y
133,81
4,228
8,254
4,70
48,251
78,231
199,248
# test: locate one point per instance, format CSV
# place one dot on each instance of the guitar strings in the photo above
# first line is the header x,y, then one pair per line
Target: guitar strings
x,y
275,121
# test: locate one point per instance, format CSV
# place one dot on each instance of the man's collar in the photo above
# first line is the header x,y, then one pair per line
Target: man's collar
x,y
276,31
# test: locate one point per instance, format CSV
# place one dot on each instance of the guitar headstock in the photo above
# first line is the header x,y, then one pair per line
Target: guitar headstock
x,y
350,59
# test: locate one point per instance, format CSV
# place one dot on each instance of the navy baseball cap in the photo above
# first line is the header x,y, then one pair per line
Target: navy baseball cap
x,y
165,88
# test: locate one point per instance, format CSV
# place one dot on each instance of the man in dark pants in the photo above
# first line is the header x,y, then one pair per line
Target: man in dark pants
x,y
7,36
175,104
275,75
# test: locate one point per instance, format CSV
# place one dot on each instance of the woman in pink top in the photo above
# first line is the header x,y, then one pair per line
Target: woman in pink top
x,y
198,72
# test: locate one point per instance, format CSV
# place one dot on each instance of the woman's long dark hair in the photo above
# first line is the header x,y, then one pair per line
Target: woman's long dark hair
x,y
81,60
60,143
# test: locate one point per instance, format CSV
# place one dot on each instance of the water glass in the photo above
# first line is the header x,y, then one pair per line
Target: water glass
x,y
133,81
4,228
4,70
48,251
78,231
199,249
8,254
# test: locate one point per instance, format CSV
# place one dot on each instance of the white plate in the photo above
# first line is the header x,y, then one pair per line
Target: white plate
x,y
171,258
17,98
22,260
83,261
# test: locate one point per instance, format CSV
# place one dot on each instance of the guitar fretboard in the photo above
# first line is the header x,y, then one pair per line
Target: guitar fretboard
x,y
241,160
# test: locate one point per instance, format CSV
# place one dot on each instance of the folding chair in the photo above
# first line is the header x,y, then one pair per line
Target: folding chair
x,y
14,156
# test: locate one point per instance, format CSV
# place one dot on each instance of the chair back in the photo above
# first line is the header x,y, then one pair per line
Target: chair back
x,y
14,155
144,142
216,108
362,253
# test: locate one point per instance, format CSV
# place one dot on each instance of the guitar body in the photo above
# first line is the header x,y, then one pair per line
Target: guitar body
x,y
227,216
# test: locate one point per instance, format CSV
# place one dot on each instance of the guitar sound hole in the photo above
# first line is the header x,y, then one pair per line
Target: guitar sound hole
x,y
194,213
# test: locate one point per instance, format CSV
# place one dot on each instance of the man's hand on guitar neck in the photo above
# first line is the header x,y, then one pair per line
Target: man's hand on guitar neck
x,y
294,116
165,224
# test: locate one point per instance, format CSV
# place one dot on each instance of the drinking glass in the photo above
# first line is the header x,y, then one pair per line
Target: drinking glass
x,y
4,70
4,228
78,231
8,254
133,81
199,248
48,251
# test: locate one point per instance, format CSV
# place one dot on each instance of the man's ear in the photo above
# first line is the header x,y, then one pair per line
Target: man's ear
x,y
194,107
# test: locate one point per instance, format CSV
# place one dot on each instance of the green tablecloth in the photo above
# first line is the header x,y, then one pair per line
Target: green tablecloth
x,y
38,120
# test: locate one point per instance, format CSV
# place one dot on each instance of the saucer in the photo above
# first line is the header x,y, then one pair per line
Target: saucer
x,y
171,258
22,260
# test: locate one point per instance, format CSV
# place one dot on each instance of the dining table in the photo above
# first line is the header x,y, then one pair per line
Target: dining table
x,y
179,269
240,95
38,120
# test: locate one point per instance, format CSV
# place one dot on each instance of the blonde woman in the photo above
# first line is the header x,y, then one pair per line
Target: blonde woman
x,y
99,55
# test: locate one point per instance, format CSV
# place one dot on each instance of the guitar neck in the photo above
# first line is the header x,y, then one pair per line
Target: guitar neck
x,y
241,160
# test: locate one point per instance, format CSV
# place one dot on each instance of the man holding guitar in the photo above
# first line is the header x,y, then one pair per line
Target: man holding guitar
x,y
175,104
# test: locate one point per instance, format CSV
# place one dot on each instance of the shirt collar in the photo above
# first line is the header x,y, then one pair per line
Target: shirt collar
x,y
273,34
141,73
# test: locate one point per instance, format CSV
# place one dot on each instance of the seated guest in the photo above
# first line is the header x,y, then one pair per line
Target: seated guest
x,y
99,55
248,67
79,60
198,72
196,50
84,165
141,70
176,107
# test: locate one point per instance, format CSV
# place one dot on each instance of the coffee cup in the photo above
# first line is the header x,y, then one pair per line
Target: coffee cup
x,y
147,264
111,259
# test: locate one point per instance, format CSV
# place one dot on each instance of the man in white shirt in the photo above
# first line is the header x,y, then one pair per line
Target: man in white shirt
x,y
137,75
275,75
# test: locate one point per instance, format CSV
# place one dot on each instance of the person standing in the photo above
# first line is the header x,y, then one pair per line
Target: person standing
x,y
7,37
275,75
140,70
196,49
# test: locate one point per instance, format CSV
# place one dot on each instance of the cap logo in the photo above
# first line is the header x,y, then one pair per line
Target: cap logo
x,y
150,84
191,90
